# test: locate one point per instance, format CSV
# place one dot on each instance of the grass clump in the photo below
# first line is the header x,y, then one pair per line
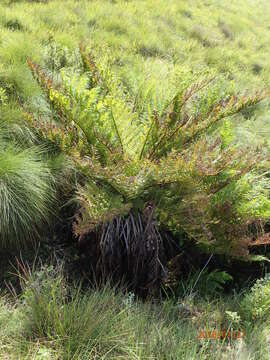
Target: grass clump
x,y
26,194
60,320
14,25
256,303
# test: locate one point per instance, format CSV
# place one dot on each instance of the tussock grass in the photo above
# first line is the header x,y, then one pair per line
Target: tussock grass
x,y
53,320
26,194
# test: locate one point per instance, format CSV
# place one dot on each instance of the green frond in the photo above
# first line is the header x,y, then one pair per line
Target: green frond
x,y
170,159
98,205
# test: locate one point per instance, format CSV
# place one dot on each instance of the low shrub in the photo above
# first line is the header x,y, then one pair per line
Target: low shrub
x,y
256,303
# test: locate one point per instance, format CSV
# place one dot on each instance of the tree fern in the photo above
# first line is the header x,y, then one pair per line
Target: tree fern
x,y
169,161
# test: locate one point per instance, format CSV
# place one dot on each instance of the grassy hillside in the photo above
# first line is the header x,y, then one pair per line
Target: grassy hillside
x,y
156,48
153,45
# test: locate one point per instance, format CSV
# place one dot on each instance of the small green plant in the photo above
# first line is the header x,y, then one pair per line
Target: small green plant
x,y
233,318
256,303
14,25
56,57
205,283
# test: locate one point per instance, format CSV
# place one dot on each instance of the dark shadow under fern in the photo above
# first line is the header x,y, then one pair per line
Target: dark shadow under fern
x,y
131,249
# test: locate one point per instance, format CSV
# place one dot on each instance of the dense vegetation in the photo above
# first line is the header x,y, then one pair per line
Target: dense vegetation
x,y
51,320
134,149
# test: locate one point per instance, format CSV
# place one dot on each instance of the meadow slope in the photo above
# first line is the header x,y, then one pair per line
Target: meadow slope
x,y
153,46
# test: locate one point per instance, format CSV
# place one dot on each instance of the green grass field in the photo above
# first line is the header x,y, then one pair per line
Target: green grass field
x,y
153,44
154,47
